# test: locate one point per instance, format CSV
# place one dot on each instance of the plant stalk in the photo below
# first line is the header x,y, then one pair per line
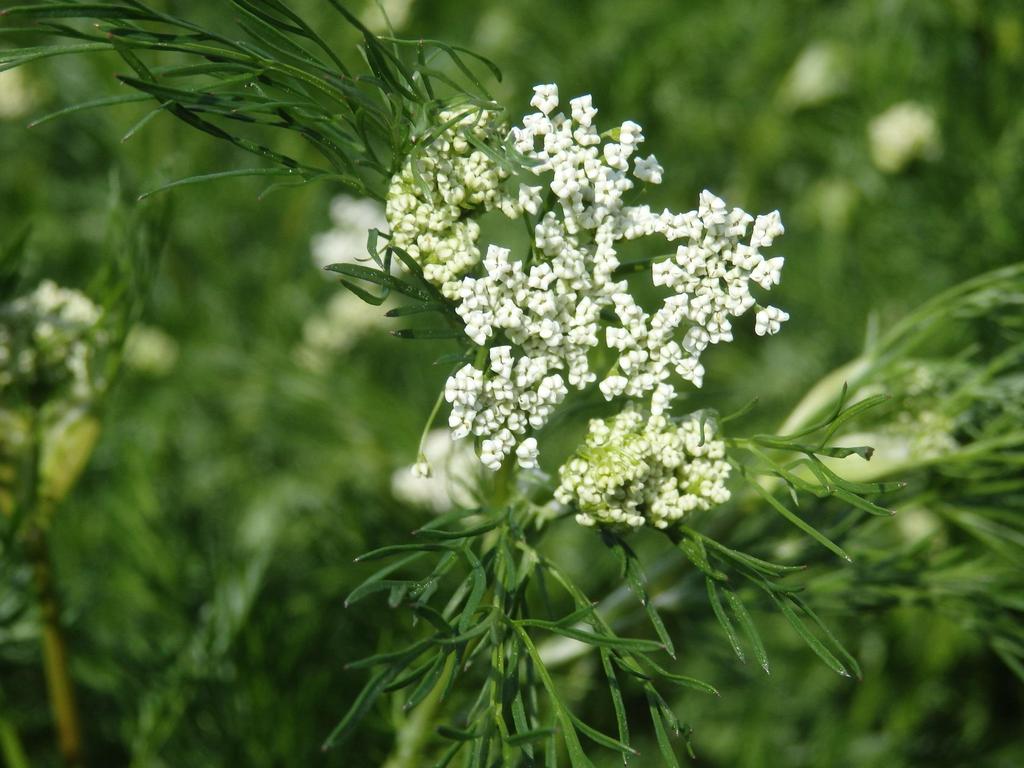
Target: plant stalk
x,y
10,746
408,752
56,660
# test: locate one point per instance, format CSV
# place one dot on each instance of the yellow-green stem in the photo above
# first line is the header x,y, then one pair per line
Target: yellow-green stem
x,y
56,662
408,752
10,746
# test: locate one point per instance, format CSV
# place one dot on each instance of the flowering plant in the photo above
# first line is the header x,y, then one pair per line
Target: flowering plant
x,y
59,351
548,327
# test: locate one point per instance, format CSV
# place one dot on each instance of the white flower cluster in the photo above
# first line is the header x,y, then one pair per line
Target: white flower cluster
x,y
150,350
429,198
345,242
635,470
549,304
501,405
48,339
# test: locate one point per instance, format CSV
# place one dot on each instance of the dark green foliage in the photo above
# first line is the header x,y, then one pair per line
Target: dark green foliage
x,y
361,125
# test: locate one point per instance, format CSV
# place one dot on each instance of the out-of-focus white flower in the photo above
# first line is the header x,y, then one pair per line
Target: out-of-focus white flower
x,y
917,523
332,332
352,219
903,133
910,438
16,97
383,16
48,340
445,475
821,72
637,469
150,350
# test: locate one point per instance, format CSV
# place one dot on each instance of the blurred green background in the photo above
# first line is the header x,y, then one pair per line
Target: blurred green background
x,y
205,555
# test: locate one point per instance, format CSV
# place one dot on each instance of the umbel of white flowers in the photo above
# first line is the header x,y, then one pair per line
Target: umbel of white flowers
x,y
548,303
47,342
637,469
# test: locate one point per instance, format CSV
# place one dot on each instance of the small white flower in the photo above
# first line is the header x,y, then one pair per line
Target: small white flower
x,y
903,133
545,98
648,169
583,111
526,453
768,272
630,134
820,73
529,198
613,386
769,320
150,350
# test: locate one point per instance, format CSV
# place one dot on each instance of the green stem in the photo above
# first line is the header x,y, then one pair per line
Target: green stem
x,y
10,746
408,752
56,662
430,423
504,484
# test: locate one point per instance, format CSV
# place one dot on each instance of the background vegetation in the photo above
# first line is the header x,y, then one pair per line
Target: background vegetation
x,y
205,555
